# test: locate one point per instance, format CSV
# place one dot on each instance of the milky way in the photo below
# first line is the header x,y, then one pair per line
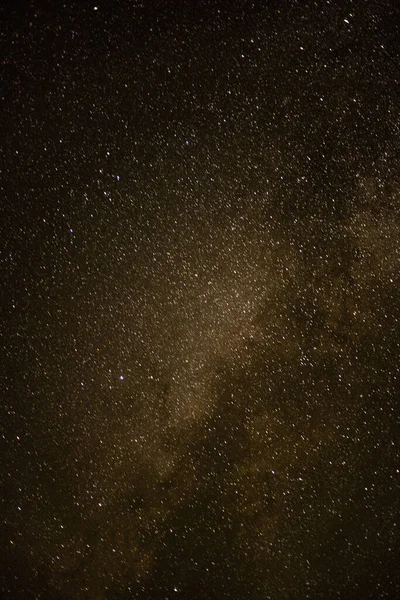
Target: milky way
x,y
200,270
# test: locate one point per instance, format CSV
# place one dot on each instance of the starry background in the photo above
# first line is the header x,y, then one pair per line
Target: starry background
x,y
199,272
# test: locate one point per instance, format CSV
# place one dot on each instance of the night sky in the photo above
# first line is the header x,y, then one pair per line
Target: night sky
x,y
200,219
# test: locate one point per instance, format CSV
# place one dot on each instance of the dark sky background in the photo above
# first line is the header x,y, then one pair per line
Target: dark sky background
x,y
199,286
